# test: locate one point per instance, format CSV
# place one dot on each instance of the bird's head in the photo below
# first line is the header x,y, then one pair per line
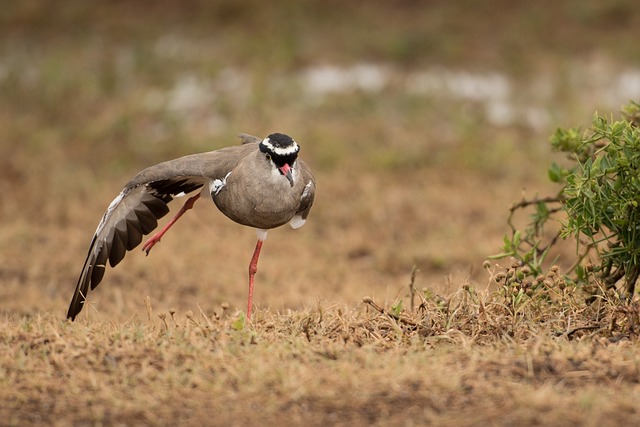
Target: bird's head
x,y
282,151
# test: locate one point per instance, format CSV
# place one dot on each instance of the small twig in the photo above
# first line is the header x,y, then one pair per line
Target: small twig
x,y
611,280
524,202
204,316
225,309
172,311
189,315
147,303
581,257
306,328
368,300
163,317
553,241
568,333
632,278
412,287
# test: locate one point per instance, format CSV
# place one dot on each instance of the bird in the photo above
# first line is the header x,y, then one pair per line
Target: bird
x,y
260,183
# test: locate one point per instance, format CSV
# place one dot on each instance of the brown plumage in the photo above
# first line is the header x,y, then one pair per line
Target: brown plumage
x,y
260,184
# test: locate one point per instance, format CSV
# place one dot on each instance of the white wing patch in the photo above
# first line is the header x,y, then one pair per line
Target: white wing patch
x,y
218,184
110,209
297,222
122,205
307,188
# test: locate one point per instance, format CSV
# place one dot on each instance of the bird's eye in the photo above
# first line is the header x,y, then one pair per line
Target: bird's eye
x,y
268,156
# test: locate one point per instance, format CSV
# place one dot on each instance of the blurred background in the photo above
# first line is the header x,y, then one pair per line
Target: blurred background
x,y
423,122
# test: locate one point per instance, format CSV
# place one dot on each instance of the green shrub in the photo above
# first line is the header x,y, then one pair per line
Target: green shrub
x,y
598,205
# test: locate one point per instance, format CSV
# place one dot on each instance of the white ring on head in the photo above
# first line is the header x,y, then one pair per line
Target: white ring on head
x,y
281,151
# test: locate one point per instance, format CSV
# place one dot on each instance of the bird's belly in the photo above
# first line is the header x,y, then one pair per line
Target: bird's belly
x,y
253,210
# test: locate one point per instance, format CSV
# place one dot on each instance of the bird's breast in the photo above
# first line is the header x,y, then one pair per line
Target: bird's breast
x,y
257,203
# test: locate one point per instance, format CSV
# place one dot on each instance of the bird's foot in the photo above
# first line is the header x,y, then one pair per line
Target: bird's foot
x,y
151,243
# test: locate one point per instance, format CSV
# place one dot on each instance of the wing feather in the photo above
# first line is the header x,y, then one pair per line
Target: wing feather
x,y
145,219
118,249
98,266
134,231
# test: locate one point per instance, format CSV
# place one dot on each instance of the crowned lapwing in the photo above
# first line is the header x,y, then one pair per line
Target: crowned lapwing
x,y
260,184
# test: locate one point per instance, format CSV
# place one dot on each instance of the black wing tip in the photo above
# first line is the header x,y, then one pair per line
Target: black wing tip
x,y
73,311
77,303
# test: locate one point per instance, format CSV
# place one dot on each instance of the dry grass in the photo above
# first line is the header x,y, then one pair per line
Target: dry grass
x,y
92,94
466,359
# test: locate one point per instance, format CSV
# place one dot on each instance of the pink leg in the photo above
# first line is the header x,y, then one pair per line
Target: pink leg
x,y
156,237
253,268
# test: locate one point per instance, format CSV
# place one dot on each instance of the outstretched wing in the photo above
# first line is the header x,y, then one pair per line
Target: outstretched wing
x,y
136,210
134,213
